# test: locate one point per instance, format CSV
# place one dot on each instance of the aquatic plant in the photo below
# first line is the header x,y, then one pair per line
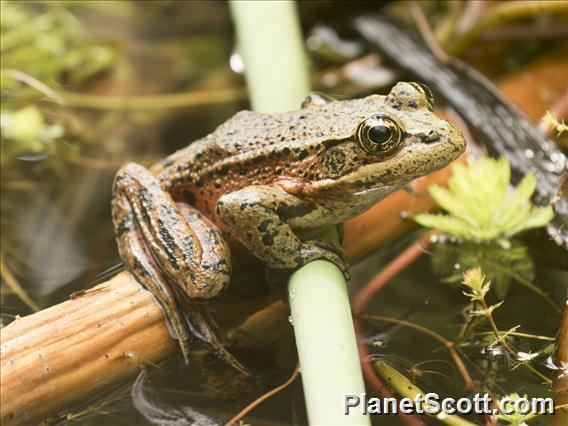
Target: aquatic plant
x,y
486,214
482,206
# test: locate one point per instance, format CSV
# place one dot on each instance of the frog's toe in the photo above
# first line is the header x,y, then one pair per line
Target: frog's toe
x,y
327,250
329,245
340,227
310,250
204,328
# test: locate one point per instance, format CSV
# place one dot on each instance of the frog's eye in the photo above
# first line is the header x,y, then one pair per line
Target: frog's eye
x,y
426,92
379,135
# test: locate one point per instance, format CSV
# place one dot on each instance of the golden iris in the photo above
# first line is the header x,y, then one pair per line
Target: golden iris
x,y
379,135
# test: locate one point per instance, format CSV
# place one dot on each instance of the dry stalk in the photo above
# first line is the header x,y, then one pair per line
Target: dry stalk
x,y
67,353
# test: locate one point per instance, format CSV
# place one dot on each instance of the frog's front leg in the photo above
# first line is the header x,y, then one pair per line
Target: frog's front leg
x,y
173,251
261,218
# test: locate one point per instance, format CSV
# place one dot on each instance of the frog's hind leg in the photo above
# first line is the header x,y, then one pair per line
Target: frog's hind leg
x,y
141,264
184,257
199,317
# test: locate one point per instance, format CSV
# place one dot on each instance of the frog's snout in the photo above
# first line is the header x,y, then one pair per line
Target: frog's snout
x,y
429,137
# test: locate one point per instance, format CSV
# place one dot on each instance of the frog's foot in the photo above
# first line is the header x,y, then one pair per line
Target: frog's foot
x,y
144,268
174,252
204,327
327,250
311,250
260,217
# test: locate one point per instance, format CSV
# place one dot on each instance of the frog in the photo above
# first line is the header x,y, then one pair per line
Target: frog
x,y
262,182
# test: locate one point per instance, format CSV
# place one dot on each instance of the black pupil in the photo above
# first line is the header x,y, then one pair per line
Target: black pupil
x,y
380,134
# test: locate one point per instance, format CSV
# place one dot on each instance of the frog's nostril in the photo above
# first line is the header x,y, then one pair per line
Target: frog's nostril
x,y
429,137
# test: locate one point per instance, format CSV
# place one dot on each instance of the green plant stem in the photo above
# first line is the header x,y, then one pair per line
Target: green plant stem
x,y
32,82
137,103
271,45
519,334
495,329
153,102
326,342
270,41
537,290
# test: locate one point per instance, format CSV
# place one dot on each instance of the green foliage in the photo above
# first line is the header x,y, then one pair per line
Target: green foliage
x,y
480,205
41,44
475,280
485,213
64,53
25,130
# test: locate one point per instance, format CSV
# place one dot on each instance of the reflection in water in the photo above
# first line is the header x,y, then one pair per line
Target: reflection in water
x,y
165,415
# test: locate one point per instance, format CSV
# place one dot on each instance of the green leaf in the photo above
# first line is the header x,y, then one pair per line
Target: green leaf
x,y
447,224
491,308
482,205
539,216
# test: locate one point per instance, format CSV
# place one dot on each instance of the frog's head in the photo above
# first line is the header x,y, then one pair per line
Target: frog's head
x,y
387,142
